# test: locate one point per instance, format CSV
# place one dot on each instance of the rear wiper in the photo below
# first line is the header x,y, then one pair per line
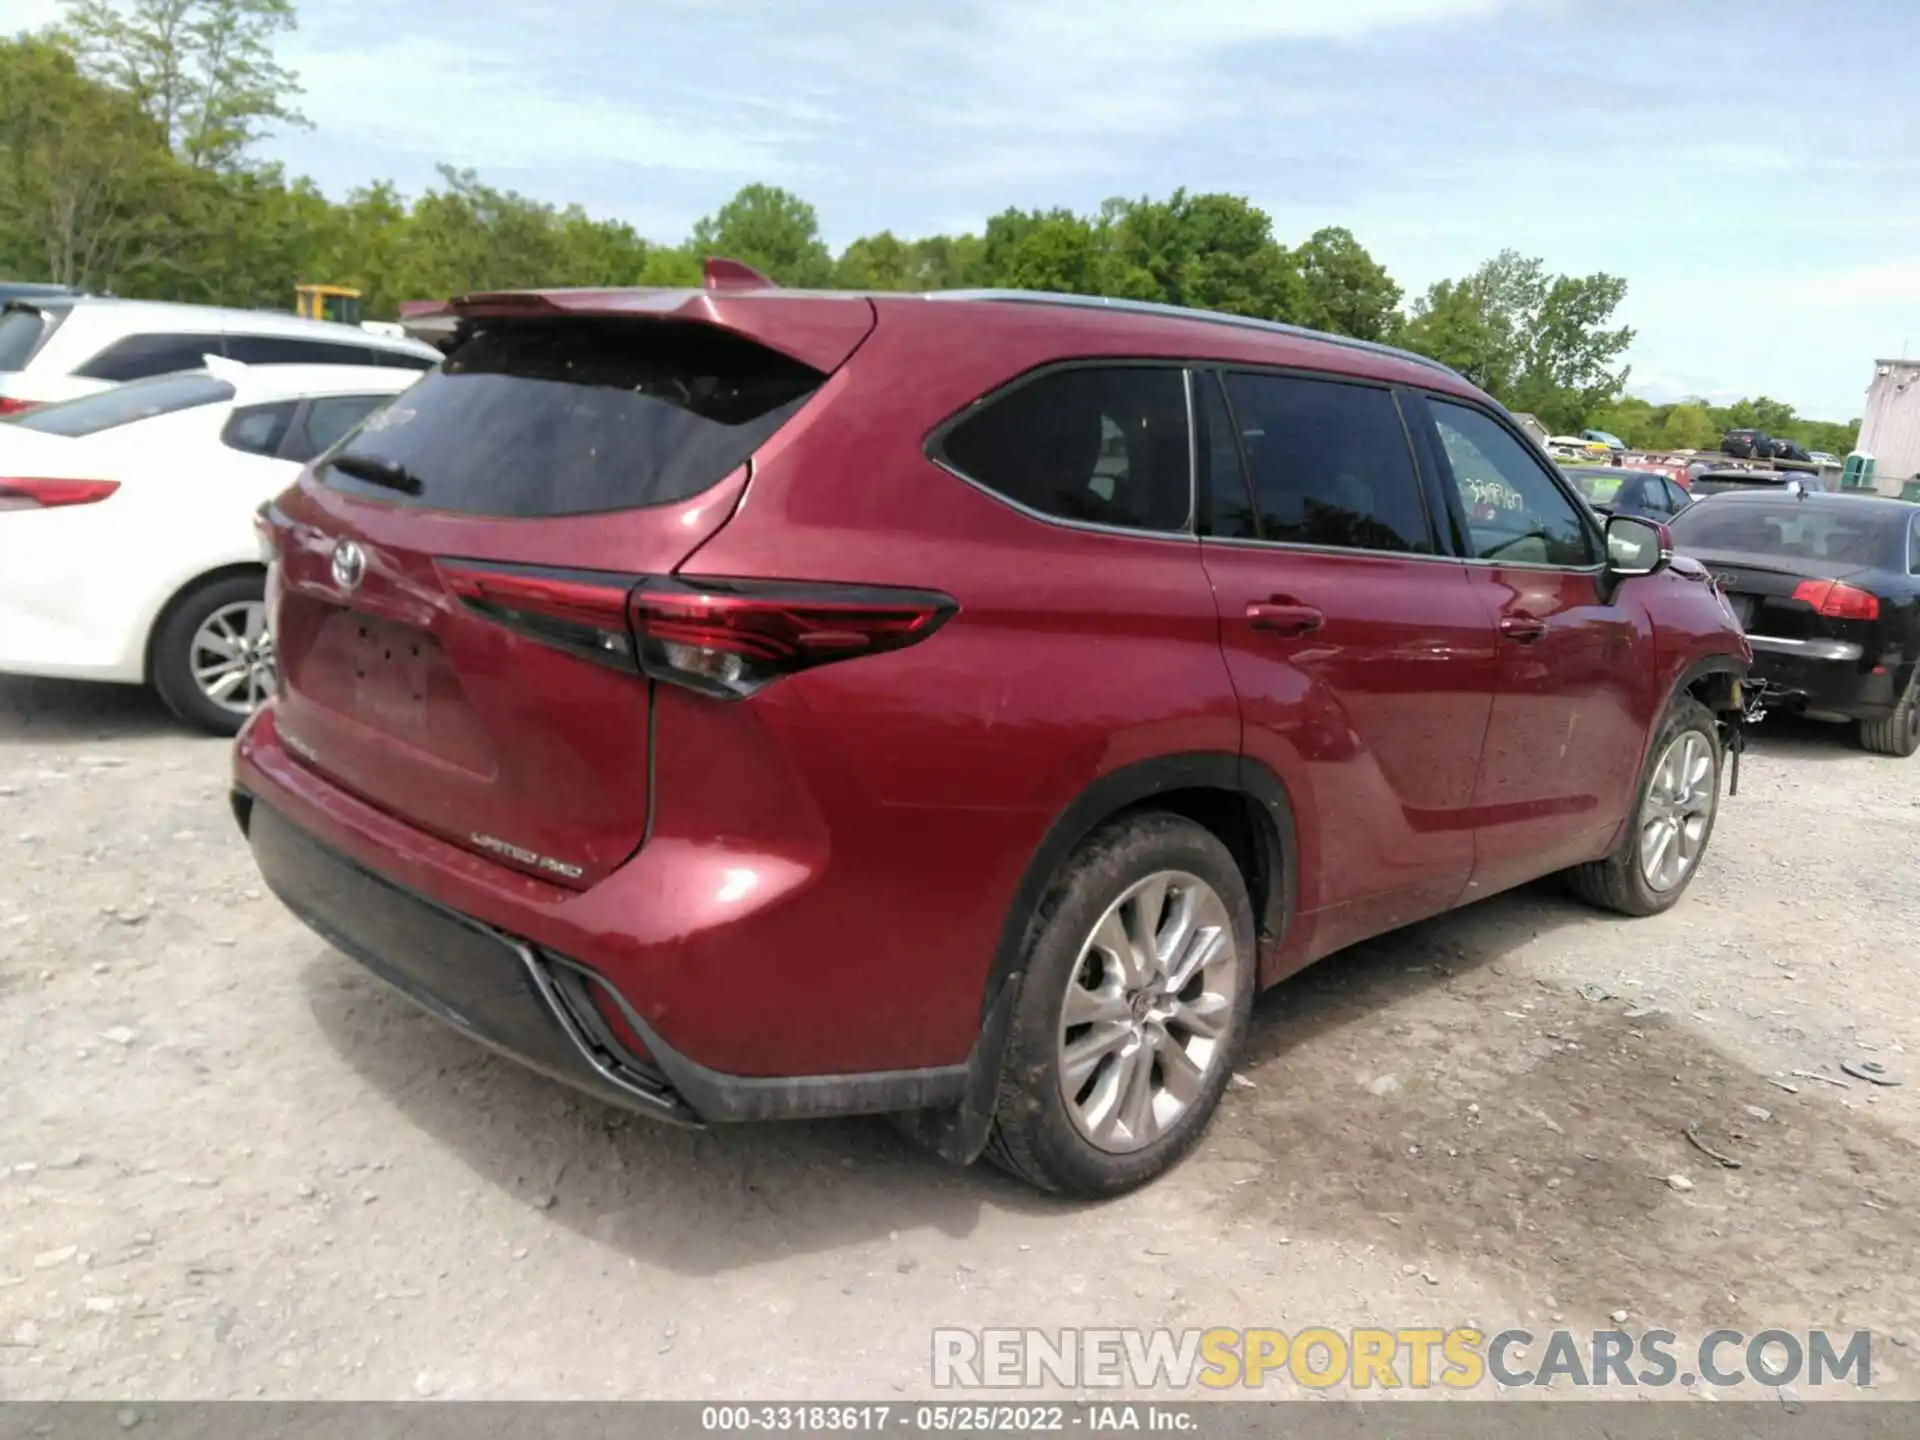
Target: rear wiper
x,y
390,474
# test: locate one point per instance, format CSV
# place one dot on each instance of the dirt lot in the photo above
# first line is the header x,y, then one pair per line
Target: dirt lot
x,y
232,1166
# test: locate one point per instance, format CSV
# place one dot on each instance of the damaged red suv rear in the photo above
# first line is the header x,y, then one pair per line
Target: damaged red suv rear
x,y
742,704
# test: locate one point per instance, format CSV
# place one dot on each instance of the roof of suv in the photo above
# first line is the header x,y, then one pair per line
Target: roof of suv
x,y
1200,332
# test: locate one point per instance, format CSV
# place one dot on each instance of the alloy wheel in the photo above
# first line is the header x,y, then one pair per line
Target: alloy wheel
x,y
231,657
1147,1010
1677,812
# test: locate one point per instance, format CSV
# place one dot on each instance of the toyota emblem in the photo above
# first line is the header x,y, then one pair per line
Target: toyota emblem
x,y
349,565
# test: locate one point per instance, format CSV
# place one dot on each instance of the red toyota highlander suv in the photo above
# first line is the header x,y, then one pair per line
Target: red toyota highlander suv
x,y
744,704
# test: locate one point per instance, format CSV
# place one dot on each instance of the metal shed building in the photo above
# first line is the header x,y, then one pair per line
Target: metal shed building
x,y
1890,429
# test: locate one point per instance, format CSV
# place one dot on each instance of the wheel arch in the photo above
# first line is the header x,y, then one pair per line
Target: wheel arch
x,y
1237,798
181,594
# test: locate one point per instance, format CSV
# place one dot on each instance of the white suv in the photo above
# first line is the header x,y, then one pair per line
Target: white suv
x,y
62,347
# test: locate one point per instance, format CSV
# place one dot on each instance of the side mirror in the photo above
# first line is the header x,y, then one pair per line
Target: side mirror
x,y
1637,546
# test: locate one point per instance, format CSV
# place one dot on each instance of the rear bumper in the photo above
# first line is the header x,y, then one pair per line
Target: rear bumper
x,y
1821,677
521,996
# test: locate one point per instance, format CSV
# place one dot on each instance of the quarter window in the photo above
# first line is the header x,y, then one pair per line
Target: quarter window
x,y
1514,511
1330,464
1108,445
328,421
259,429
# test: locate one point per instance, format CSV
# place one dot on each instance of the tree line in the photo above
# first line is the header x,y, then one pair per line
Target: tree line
x,y
128,166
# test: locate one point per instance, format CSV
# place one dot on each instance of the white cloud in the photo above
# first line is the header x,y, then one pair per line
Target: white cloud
x,y
1897,282
469,107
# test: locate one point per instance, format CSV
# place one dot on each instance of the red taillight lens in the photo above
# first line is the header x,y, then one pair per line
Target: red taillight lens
x,y
581,612
724,638
727,638
52,494
1837,601
11,406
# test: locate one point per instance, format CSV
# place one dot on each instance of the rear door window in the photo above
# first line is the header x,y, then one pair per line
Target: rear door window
x,y
577,417
295,350
137,356
123,405
1331,464
1098,444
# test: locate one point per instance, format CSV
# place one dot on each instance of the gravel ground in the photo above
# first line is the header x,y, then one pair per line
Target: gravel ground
x,y
232,1166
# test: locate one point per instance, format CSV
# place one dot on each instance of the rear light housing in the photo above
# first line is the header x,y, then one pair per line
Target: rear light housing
x,y
11,405
719,637
727,638
28,494
1837,601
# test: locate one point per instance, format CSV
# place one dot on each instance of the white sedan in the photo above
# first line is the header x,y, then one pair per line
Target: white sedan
x,y
127,543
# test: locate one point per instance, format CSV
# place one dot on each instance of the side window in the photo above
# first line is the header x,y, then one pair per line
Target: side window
x,y
1677,499
327,422
295,350
1331,464
1514,510
1913,547
1229,501
1108,445
137,356
259,429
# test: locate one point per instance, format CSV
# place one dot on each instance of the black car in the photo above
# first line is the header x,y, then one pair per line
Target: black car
x,y
1789,450
1827,587
1615,490
1719,480
1747,444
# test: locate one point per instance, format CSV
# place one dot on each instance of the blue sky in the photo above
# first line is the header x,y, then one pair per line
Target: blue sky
x,y
1751,166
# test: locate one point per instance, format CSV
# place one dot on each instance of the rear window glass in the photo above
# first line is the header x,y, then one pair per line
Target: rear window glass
x,y
140,400
580,417
1786,528
20,330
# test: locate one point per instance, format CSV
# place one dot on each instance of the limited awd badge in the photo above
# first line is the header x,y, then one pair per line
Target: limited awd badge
x,y
349,565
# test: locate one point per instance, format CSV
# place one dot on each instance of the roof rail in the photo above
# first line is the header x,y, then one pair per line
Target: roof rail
x,y
1211,317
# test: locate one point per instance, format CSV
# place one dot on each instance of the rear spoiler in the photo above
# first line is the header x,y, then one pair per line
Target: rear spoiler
x,y
819,329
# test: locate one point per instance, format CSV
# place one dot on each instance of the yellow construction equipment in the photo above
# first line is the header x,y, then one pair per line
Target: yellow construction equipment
x,y
339,303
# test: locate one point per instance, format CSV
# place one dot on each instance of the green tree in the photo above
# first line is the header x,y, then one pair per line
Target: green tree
x,y
1346,290
203,70
1209,252
1535,341
88,190
1687,426
773,230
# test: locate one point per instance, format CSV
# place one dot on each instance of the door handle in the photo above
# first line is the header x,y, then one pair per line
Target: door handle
x,y
1283,617
1522,629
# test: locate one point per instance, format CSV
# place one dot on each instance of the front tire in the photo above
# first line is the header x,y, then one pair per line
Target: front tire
x,y
1672,820
212,656
1897,734
1137,995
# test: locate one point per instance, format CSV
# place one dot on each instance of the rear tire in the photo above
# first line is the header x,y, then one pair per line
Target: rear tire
x,y
1897,734
183,666
1625,881
1146,1033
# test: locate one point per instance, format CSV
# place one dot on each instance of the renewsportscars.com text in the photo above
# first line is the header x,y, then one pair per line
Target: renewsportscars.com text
x,y
1320,1358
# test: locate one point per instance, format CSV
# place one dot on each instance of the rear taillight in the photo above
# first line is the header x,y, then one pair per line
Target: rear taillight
x,y
1837,601
9,405
53,494
724,638
581,612
727,638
